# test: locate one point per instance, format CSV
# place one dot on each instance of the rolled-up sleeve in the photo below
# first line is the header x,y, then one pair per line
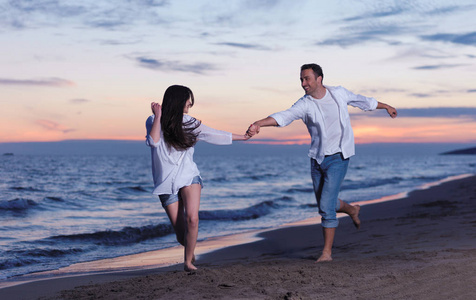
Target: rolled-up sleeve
x,y
295,112
214,136
149,141
359,101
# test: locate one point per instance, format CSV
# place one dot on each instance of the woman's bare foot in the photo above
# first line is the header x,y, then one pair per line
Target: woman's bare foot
x,y
193,259
189,267
355,216
324,257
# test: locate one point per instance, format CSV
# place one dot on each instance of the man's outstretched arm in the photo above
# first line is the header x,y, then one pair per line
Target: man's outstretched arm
x,y
255,127
392,112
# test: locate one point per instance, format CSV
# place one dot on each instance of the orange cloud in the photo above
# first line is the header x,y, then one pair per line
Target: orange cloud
x,y
51,125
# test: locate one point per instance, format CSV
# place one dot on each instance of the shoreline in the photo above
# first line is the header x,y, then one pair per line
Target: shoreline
x,y
248,246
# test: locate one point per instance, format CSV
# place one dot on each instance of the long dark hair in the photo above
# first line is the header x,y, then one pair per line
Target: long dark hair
x,y
178,134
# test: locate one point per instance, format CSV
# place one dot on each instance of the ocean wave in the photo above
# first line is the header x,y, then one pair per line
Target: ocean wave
x,y
285,199
42,252
300,190
21,258
133,189
355,185
127,235
27,189
16,262
249,213
55,199
362,184
308,205
241,178
17,204
262,176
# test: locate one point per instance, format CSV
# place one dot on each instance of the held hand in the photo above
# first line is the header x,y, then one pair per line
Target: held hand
x,y
392,112
156,108
252,130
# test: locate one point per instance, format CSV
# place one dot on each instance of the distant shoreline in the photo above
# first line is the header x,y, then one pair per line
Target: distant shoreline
x,y
465,151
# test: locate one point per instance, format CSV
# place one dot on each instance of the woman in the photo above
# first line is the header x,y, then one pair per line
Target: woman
x,y
172,135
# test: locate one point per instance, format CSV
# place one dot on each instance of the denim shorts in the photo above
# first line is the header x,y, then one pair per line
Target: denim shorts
x,y
168,199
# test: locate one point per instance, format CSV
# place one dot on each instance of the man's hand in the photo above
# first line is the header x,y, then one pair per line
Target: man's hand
x,y
252,130
392,112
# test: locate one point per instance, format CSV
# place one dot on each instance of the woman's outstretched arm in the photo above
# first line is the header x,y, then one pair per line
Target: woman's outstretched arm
x,y
240,137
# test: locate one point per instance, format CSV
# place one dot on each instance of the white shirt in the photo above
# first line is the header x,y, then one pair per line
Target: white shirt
x,y
309,112
332,126
173,169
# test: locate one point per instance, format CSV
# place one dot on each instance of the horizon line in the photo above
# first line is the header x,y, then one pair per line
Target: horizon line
x,y
255,141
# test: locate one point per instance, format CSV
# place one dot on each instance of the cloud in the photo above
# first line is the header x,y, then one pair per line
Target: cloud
x,y
166,65
390,21
430,112
78,101
244,46
99,14
386,12
119,42
421,95
53,126
471,91
355,35
52,82
449,9
463,39
435,67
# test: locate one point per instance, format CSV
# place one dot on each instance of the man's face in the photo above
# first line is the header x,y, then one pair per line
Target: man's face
x,y
309,82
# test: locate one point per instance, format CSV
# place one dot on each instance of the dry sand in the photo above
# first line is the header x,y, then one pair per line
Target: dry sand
x,y
419,247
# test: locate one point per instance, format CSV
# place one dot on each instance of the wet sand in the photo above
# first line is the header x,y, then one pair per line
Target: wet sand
x,y
420,247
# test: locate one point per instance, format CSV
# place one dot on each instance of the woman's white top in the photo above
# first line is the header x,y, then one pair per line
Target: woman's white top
x,y
173,169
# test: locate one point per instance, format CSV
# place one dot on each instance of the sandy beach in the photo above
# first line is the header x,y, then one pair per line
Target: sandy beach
x,y
420,247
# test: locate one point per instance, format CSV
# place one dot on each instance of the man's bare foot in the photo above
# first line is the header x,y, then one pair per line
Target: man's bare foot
x,y
189,267
324,257
355,216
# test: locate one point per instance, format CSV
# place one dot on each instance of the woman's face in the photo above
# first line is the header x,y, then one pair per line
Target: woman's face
x,y
187,106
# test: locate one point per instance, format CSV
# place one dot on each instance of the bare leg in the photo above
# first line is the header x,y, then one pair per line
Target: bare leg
x,y
175,212
176,216
329,234
352,210
191,200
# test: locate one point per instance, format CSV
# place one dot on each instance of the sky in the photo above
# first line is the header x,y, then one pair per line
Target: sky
x,y
89,69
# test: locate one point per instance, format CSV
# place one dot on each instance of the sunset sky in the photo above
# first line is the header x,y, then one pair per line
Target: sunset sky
x,y
89,69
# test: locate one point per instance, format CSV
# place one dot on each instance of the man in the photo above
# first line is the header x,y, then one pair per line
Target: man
x,y
324,111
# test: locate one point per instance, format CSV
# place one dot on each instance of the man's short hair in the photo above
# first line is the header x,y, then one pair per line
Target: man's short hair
x,y
315,68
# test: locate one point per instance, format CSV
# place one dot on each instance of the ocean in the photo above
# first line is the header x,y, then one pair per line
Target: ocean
x,y
60,207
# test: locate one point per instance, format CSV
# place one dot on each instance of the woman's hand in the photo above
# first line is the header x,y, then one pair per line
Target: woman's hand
x,y
156,109
240,137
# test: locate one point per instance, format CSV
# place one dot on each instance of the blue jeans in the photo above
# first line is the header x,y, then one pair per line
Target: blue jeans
x,y
327,178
